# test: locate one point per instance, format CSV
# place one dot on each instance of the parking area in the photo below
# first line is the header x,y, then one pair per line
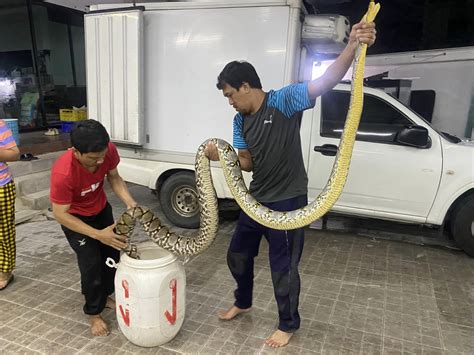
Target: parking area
x,y
363,291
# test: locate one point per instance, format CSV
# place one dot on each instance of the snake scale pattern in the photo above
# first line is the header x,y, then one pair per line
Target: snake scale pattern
x,y
196,243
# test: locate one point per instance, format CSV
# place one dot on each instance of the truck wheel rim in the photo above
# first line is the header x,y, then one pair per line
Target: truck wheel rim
x,y
185,202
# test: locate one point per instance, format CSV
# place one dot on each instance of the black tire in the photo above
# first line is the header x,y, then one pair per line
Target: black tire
x,y
462,225
179,200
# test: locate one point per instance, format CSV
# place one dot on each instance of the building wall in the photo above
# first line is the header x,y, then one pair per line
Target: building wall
x,y
14,29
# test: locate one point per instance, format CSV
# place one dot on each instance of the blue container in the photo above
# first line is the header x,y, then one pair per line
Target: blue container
x,y
12,123
66,126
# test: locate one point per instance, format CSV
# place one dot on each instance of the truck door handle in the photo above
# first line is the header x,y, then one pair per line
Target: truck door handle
x,y
326,149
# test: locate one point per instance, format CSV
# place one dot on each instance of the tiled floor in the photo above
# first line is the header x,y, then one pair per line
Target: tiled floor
x,y
359,295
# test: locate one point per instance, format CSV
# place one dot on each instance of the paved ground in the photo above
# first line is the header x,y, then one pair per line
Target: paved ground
x,y
359,295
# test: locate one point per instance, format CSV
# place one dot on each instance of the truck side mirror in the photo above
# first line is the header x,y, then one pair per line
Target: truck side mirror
x,y
414,136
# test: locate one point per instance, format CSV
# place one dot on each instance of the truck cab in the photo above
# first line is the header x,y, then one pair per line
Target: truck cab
x,y
402,169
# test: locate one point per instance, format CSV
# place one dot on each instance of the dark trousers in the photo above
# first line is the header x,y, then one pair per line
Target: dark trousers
x,y
285,248
97,279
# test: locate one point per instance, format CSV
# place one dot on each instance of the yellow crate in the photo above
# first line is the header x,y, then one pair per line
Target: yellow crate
x,y
72,115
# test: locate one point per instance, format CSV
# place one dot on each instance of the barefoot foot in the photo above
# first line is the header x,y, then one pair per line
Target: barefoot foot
x,y
5,279
231,313
278,339
110,303
98,326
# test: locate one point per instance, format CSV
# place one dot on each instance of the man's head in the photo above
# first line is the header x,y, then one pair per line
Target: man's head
x,y
238,80
89,140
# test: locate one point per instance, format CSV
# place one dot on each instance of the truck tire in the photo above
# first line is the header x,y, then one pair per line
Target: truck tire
x,y
179,200
462,225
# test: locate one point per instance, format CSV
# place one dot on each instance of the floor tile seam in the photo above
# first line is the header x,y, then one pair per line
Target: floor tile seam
x,y
42,259
441,340
459,325
416,343
163,347
48,313
10,343
46,353
50,283
451,299
262,347
334,307
61,346
363,331
384,318
347,283
200,347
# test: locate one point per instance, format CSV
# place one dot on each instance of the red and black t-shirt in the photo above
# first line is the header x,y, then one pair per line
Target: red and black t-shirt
x,y
72,184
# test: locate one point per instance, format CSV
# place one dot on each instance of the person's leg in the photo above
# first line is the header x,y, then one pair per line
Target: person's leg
x,y
285,248
89,260
7,233
105,219
96,280
240,258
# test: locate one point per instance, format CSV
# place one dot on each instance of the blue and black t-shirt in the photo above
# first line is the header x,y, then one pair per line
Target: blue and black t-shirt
x,y
273,139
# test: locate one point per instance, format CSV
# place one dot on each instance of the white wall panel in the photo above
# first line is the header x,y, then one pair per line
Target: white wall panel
x,y
185,50
114,73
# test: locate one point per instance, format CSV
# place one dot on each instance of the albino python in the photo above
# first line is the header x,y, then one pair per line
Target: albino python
x,y
203,238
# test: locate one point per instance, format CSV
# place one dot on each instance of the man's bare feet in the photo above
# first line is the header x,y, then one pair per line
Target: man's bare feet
x,y
278,339
231,313
98,326
5,279
110,303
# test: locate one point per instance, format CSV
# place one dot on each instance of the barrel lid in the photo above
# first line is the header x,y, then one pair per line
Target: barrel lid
x,y
151,256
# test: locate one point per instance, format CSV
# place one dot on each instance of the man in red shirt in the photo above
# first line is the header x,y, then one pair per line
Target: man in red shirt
x,y
80,206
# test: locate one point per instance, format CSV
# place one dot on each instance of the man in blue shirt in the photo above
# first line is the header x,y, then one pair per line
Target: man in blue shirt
x,y
266,134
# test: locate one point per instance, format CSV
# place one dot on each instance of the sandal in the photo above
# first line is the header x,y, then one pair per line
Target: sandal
x,y
27,157
51,132
9,281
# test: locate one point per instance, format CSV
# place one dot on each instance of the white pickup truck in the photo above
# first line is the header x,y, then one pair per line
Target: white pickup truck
x,y
151,72
402,169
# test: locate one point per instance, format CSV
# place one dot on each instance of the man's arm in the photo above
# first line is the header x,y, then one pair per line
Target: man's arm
x,y
361,33
105,236
120,188
10,154
245,160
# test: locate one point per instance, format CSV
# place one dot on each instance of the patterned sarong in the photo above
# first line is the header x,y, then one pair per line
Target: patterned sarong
x,y
7,227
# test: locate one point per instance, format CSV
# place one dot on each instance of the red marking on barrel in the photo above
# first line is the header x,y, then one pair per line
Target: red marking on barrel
x,y
125,287
172,317
125,316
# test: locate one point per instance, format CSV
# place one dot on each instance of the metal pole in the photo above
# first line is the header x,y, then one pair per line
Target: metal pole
x,y
71,53
35,60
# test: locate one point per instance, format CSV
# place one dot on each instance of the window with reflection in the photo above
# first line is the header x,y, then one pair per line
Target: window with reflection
x,y
42,62
380,122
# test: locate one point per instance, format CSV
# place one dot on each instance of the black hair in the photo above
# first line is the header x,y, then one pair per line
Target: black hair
x,y
236,73
89,136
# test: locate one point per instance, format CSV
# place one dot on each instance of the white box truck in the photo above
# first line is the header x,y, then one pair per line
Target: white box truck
x,y
151,75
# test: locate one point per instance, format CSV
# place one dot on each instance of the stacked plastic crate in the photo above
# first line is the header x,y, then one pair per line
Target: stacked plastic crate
x,y
69,117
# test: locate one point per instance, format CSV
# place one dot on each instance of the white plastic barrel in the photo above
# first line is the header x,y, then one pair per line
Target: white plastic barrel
x,y
150,296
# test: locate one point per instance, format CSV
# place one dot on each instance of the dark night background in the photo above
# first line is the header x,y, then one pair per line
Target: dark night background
x,y
409,25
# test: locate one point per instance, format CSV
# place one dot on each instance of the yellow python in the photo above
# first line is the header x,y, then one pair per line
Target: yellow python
x,y
203,238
